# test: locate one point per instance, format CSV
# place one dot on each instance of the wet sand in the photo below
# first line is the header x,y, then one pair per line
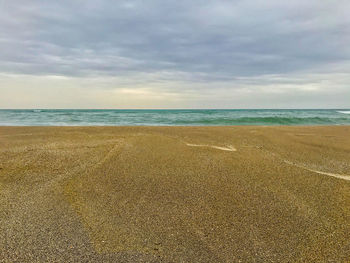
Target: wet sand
x,y
175,194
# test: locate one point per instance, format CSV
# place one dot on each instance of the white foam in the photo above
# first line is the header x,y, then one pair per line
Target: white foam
x,y
227,148
340,176
344,112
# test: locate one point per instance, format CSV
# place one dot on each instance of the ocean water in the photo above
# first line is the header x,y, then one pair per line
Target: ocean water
x,y
45,117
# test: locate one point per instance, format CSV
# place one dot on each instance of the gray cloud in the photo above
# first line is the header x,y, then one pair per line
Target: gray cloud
x,y
192,42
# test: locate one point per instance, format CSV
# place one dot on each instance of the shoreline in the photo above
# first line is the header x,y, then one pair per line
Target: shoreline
x,y
167,126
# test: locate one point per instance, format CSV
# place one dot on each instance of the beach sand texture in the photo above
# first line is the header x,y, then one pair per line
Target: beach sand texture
x,y
175,194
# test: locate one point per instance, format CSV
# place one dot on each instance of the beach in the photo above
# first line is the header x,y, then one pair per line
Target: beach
x,y
175,194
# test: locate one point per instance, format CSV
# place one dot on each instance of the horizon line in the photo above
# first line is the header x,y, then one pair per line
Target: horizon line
x,y
175,109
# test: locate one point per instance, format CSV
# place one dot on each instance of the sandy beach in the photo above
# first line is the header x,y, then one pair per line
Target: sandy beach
x,y
175,194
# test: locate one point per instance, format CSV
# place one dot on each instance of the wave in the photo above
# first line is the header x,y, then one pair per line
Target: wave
x,y
263,121
37,117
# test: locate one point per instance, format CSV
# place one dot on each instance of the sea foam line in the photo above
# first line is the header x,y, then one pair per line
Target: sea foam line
x,y
340,176
227,148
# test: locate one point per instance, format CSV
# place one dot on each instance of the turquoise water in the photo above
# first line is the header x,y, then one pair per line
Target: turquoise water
x,y
172,117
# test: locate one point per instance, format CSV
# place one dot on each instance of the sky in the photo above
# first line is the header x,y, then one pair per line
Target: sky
x,y
174,54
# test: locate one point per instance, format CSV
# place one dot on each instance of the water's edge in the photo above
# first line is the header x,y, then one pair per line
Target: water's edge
x,y
46,117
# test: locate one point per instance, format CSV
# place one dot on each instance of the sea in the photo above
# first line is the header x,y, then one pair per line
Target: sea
x,y
202,117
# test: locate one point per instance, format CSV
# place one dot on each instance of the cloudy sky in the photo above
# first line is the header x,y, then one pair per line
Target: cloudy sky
x,y
175,54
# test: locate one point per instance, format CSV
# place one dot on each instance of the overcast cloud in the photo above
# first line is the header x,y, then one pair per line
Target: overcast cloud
x,y
175,54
